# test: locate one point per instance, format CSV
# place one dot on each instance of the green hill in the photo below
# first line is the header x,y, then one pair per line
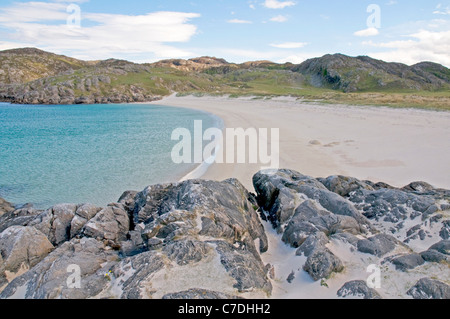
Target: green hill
x,y
32,76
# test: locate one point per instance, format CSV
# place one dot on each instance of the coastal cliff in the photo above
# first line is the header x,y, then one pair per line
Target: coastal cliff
x,y
205,239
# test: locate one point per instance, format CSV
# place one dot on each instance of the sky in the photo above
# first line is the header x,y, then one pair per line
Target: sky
x,y
406,31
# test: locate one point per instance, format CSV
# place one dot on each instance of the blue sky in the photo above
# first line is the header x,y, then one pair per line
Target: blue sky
x,y
281,31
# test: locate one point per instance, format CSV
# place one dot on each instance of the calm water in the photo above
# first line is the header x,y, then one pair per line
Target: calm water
x,y
88,153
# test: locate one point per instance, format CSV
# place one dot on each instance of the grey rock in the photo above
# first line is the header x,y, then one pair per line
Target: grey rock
x,y
309,219
186,252
83,214
378,245
21,248
19,217
248,272
135,245
387,203
343,185
87,211
347,238
418,187
141,267
296,233
443,247
223,208
408,262
312,243
358,289
277,192
430,289
291,277
49,278
199,294
434,256
322,263
55,223
445,231
111,223
128,200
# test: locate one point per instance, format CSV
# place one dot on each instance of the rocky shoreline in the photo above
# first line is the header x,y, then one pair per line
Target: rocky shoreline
x,y
204,239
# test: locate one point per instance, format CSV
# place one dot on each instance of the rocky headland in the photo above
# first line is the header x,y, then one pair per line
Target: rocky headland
x,y
205,239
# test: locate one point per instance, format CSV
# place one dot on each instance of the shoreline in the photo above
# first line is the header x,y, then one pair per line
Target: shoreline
x,y
397,146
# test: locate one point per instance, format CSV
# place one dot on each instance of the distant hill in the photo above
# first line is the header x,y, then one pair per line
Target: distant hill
x,y
29,64
363,73
33,76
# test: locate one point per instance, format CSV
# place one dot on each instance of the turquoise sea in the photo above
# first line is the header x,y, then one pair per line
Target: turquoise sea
x,y
88,153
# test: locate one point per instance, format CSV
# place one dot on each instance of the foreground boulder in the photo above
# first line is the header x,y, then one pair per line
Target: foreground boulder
x,y
52,277
430,289
308,215
358,289
21,248
197,239
205,240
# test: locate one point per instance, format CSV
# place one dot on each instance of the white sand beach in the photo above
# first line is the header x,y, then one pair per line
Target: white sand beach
x,y
396,146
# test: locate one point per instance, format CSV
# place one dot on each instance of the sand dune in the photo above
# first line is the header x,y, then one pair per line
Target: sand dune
x,y
397,146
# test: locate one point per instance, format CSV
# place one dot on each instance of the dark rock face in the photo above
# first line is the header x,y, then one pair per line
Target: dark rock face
x,y
308,214
205,240
48,279
406,262
358,289
21,248
322,263
343,185
193,239
378,245
430,289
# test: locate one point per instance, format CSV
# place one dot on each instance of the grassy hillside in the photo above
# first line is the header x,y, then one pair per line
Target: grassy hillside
x,y
37,77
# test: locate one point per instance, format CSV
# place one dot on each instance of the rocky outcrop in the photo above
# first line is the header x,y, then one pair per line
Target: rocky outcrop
x,y
21,248
318,216
308,215
430,289
206,240
196,239
358,289
378,245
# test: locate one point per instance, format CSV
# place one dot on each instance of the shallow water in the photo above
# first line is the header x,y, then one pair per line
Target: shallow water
x,y
88,153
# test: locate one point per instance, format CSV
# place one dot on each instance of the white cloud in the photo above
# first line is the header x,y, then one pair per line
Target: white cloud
x,y
279,18
424,45
289,45
274,4
101,35
442,11
370,32
238,21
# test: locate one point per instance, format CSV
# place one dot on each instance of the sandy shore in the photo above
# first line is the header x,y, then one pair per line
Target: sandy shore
x,y
396,146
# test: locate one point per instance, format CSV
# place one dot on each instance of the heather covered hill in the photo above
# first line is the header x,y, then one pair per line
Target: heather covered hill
x,y
32,76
